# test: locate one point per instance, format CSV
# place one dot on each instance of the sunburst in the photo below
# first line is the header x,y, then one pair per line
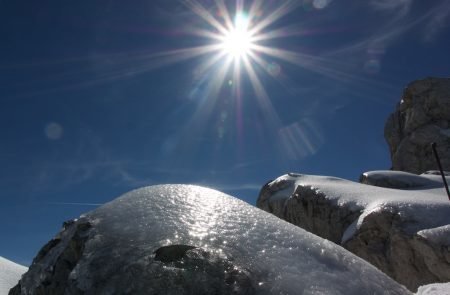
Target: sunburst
x,y
235,46
237,42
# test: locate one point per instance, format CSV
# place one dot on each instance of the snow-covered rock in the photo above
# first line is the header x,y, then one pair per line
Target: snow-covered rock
x,y
401,180
422,117
402,232
10,274
434,289
179,239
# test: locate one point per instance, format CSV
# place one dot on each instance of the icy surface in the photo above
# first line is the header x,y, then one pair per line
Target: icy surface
x,y
279,257
425,206
10,274
434,289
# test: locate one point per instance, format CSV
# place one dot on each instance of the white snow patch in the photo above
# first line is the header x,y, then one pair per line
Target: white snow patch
x,y
402,179
439,235
434,289
10,274
349,232
424,206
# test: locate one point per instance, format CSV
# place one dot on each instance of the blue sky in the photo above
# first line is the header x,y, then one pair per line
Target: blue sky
x,y
100,97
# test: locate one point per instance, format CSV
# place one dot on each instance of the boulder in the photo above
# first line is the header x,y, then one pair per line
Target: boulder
x,y
401,232
180,239
421,117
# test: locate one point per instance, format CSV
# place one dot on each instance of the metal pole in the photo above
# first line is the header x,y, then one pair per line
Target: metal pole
x,y
433,146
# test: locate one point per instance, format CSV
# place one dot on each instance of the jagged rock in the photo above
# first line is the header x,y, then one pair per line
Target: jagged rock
x,y
56,260
404,233
179,239
421,117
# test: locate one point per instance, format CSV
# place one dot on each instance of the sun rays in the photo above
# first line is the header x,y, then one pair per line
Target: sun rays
x,y
235,35
238,41
235,38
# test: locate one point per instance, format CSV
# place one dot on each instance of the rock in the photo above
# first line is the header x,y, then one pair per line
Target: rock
x,y
404,233
421,117
309,209
172,253
179,239
56,260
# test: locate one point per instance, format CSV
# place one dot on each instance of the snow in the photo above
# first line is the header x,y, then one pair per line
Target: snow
x,y
439,235
280,257
434,289
10,274
423,206
403,179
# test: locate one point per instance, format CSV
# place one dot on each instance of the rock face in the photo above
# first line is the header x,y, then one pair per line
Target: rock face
x,y
178,239
402,233
421,117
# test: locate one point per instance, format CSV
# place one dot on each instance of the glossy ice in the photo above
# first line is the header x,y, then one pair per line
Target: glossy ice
x,y
261,253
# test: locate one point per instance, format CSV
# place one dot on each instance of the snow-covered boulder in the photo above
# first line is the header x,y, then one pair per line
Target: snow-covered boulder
x,y
10,274
404,233
179,239
421,117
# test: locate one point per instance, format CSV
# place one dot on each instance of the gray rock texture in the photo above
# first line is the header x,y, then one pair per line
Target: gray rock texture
x,y
384,238
421,117
408,258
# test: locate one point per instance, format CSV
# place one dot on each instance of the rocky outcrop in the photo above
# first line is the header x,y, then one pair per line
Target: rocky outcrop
x,y
383,233
421,117
408,258
309,209
178,239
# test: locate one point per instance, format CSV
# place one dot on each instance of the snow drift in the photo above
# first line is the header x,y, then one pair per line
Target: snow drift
x,y
179,239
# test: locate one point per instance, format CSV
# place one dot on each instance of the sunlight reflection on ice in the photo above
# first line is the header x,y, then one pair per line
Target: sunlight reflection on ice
x,y
272,253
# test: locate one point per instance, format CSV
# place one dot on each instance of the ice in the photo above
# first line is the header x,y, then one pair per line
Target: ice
x,y
10,274
279,257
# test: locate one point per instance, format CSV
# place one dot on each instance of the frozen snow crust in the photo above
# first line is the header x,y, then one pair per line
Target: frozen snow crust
x,y
180,239
10,274
404,232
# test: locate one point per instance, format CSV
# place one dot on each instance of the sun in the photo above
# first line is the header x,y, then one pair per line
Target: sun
x,y
237,42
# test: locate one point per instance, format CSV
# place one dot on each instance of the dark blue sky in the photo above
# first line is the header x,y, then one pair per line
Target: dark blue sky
x,y
100,97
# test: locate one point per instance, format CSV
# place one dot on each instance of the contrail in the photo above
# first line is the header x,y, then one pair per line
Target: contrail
x,y
75,204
